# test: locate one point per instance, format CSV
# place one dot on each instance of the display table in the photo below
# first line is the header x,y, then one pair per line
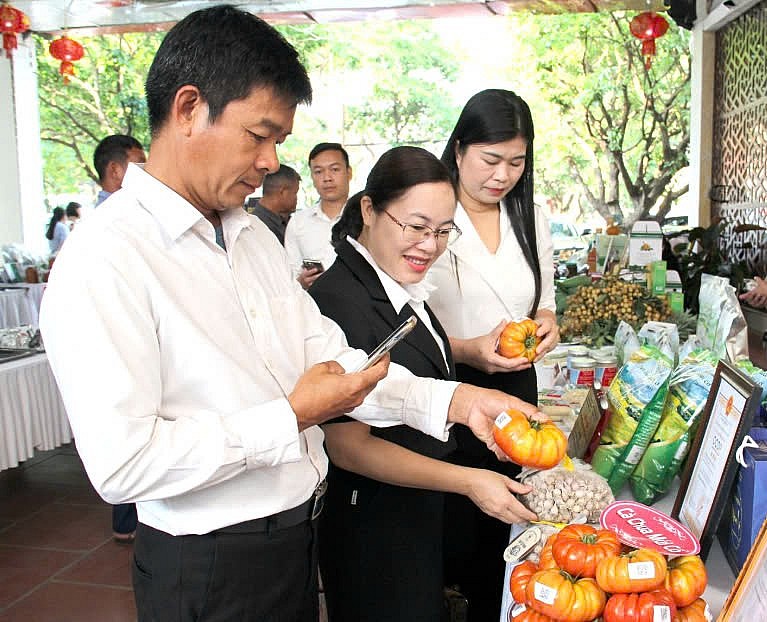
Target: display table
x,y
17,307
32,414
720,576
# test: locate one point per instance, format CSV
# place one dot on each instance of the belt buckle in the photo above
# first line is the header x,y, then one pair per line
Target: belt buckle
x,y
319,498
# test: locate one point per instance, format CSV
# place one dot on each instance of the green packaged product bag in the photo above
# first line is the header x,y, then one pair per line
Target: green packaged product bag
x,y
689,386
635,398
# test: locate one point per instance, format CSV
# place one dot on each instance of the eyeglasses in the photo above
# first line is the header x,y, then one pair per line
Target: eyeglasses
x,y
415,234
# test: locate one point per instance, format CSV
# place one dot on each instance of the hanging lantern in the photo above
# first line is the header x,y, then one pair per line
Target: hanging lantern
x,y
12,23
66,50
648,27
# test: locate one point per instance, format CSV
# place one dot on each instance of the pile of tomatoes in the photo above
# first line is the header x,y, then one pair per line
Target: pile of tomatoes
x,y
585,574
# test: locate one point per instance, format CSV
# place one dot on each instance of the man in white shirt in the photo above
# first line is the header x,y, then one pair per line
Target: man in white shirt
x,y
195,371
308,234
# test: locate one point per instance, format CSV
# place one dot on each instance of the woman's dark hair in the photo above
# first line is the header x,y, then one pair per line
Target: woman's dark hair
x,y
397,171
58,216
495,116
73,209
226,53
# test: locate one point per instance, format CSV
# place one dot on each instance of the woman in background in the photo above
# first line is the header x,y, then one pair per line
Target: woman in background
x,y
501,269
381,530
57,230
73,214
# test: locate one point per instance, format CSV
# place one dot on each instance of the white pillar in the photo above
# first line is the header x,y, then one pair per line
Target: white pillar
x,y
701,121
22,211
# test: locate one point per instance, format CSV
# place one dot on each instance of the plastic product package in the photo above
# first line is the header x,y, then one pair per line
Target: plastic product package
x,y
689,386
563,495
626,342
635,398
721,323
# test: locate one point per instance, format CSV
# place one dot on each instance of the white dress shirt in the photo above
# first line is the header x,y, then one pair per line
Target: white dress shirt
x,y
489,287
174,358
308,237
415,294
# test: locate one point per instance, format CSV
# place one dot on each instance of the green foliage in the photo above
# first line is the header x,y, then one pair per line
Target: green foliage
x,y
615,128
106,96
707,257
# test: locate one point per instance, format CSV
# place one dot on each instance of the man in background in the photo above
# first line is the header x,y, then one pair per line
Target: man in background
x,y
279,200
111,159
308,234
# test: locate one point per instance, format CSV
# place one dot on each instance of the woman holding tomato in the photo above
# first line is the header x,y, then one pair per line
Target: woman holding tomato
x,y
381,530
501,269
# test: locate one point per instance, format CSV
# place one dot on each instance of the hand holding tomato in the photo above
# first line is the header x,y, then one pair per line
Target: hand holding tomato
x,y
519,339
528,442
548,332
481,353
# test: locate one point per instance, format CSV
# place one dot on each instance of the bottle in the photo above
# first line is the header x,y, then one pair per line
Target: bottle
x,y
591,259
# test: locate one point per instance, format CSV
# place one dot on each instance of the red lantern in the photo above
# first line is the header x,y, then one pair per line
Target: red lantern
x,y
12,23
66,50
648,27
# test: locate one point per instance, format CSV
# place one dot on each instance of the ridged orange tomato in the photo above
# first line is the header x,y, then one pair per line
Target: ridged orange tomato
x,y
696,612
530,615
639,607
558,595
578,549
519,579
546,559
537,444
519,339
686,579
638,571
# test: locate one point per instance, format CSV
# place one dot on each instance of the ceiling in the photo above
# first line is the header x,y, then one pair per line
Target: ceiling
x,y
105,16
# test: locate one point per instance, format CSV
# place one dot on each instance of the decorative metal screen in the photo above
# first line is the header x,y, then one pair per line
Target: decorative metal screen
x,y
739,162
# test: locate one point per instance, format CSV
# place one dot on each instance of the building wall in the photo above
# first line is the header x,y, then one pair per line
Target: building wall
x,y
739,159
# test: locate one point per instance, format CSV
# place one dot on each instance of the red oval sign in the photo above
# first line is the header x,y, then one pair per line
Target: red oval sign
x,y
640,526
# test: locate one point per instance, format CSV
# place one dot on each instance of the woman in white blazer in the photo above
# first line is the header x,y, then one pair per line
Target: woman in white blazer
x,y
501,269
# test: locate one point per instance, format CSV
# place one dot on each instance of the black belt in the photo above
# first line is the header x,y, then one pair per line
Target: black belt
x,y
308,510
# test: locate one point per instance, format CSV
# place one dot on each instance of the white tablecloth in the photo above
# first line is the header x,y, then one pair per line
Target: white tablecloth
x,y
32,415
17,307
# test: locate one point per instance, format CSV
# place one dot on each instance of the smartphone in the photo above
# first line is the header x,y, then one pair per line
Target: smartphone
x,y
387,344
312,264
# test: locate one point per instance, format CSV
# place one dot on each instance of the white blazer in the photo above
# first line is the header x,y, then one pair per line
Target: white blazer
x,y
489,287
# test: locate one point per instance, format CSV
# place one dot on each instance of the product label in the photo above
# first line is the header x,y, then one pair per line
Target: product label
x,y
518,608
661,613
641,570
634,455
607,375
544,593
640,526
582,377
707,614
501,420
522,544
680,451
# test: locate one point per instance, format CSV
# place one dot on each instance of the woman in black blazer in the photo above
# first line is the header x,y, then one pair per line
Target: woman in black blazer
x,y
381,530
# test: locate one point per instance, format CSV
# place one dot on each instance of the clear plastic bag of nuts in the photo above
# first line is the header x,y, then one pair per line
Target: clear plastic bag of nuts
x,y
564,495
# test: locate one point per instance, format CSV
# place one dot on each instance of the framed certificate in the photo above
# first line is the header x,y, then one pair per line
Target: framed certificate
x,y
749,594
710,469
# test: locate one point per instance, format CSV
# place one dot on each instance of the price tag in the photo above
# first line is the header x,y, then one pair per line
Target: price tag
x,y
661,613
641,570
634,455
518,608
501,420
544,593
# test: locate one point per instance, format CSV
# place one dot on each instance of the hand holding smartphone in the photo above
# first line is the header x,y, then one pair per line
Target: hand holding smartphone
x,y
312,264
387,344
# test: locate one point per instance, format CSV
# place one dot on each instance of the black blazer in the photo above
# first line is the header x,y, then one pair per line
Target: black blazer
x,y
351,294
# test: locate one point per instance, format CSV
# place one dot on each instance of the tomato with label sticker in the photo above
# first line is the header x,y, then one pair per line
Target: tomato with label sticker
x,y
563,597
531,443
637,571
654,606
